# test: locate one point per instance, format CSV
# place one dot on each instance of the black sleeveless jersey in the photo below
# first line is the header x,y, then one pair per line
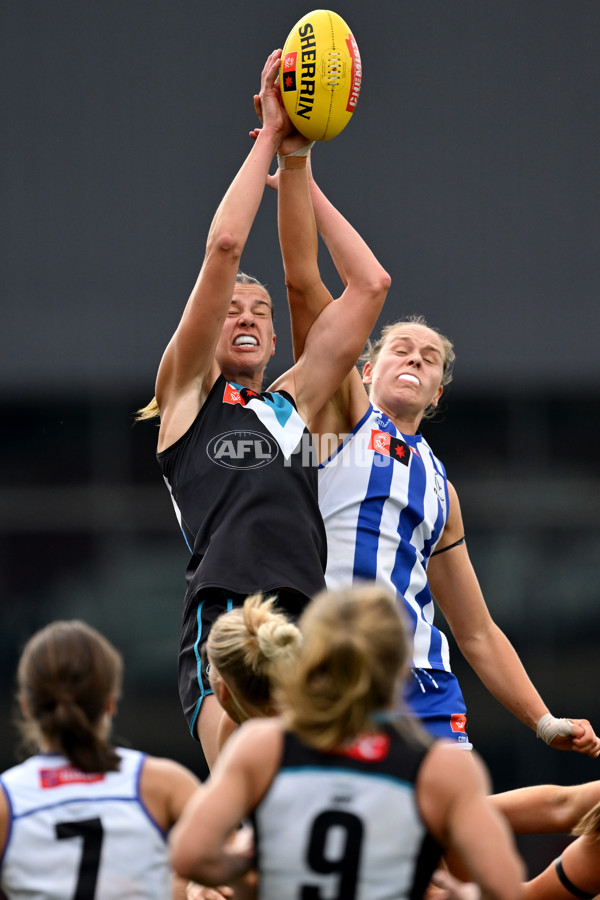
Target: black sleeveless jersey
x,y
345,823
243,480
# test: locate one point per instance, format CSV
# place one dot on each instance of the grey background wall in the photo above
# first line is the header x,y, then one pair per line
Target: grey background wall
x,y
471,167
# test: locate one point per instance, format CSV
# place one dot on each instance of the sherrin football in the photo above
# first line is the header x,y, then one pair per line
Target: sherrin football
x,y
320,75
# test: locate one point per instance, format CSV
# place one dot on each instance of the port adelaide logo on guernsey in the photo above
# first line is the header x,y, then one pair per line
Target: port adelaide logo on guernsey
x,y
242,450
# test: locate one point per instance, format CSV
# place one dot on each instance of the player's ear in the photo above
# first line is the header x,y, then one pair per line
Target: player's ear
x,y
367,373
274,342
436,397
222,691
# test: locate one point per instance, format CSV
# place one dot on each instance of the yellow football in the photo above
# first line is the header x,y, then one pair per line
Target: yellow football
x,y
320,75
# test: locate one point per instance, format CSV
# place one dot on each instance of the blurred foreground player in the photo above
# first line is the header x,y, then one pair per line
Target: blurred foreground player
x,y
344,802
81,818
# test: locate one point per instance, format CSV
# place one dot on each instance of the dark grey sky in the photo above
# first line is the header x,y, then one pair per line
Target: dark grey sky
x,y
471,166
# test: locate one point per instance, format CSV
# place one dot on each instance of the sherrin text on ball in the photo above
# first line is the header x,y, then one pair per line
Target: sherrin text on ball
x,y
320,75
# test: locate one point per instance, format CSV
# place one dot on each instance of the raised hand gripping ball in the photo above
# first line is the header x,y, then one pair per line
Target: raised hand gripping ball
x,y
320,75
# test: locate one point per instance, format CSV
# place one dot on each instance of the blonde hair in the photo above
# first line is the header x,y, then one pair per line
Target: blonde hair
x,y
152,409
354,650
374,348
589,823
246,645
67,674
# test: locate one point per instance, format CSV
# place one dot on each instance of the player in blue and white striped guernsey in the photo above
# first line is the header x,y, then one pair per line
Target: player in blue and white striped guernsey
x,y
391,514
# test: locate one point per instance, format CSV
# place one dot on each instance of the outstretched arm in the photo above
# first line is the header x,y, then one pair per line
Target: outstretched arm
x,y
485,646
351,256
187,369
547,808
338,335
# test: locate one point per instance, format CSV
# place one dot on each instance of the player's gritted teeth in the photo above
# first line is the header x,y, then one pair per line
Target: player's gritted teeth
x,y
245,340
406,376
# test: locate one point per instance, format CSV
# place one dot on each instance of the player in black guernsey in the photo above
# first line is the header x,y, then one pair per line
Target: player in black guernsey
x,y
346,801
237,460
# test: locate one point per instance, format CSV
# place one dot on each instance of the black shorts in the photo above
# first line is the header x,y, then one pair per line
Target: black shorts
x,y
200,611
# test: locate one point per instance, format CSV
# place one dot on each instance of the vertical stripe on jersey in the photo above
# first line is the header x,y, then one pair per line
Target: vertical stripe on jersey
x,y
420,607
371,510
372,535
406,555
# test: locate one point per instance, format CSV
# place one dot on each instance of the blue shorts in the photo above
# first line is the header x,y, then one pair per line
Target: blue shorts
x,y
436,699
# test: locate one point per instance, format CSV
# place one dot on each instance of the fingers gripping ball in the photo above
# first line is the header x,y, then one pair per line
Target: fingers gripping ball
x,y
320,75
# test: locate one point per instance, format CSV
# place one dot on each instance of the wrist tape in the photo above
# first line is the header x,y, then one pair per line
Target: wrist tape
x,y
548,728
295,160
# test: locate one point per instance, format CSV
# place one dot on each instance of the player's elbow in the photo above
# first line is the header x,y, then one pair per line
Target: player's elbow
x,y
192,866
379,284
373,285
225,244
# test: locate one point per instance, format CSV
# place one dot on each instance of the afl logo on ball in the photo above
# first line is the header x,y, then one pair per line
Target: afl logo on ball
x,y
242,450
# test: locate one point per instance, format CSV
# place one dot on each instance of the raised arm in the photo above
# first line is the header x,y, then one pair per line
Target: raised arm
x,y
338,335
351,256
188,369
307,295
485,646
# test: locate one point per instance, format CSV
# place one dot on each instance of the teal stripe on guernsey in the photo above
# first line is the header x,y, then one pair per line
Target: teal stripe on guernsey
x,y
203,692
327,772
281,407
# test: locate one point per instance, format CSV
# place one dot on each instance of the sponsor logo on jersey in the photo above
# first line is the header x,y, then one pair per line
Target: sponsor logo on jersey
x,y
288,66
242,449
242,395
384,443
458,722
370,748
58,777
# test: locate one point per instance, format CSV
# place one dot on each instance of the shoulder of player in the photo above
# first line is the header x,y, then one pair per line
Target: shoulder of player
x,y
161,776
454,527
179,408
163,767
256,736
285,382
254,748
165,788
